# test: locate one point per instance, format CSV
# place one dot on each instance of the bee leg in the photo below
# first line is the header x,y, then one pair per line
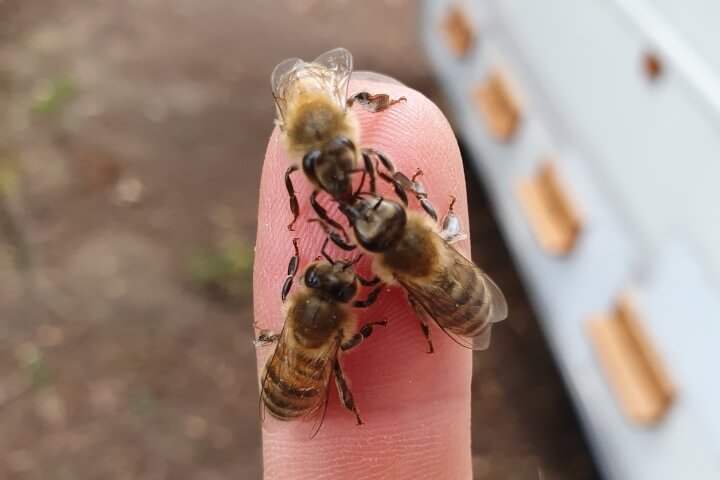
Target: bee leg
x,y
336,239
399,179
373,102
294,207
340,242
345,394
423,322
265,338
322,213
368,282
451,227
360,186
291,271
370,169
369,300
393,179
361,335
417,189
399,190
421,194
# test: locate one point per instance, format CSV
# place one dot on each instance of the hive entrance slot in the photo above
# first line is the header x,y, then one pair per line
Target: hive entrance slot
x,y
631,364
498,106
553,216
458,31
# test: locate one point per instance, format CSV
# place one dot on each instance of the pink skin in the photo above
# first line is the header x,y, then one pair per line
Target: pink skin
x,y
416,406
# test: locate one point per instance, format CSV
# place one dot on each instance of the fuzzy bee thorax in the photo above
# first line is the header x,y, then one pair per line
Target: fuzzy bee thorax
x,y
313,120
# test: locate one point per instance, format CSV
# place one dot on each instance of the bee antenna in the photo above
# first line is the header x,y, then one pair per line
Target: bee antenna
x,y
362,184
353,261
324,252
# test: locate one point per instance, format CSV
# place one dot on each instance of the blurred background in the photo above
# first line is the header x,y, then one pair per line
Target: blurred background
x,y
132,136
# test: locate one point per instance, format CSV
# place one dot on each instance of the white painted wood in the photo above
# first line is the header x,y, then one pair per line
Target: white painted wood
x,y
640,158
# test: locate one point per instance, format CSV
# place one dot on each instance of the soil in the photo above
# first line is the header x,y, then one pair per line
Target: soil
x,y
132,138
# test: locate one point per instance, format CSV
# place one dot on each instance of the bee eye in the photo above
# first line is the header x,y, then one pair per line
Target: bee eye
x,y
346,293
312,279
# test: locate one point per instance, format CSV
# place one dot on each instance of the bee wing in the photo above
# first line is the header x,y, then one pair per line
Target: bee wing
x,y
281,79
278,354
462,299
329,73
285,361
339,63
317,414
479,341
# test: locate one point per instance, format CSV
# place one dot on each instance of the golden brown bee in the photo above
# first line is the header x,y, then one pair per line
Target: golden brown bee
x,y
319,325
318,130
409,249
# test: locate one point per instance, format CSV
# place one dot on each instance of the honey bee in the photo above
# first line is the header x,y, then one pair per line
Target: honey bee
x,y
318,130
411,250
319,326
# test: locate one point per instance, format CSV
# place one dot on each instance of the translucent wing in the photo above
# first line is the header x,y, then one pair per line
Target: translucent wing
x,y
462,299
329,74
317,414
338,60
340,63
310,389
281,80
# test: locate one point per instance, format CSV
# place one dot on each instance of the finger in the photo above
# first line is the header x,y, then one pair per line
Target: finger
x,y
416,406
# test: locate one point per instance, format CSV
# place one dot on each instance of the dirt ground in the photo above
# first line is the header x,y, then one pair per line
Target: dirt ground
x,y
131,140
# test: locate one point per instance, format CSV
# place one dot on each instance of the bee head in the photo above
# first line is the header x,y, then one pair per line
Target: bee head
x,y
333,279
331,167
377,222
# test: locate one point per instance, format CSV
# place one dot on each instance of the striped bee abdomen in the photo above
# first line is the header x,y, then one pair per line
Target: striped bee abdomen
x,y
459,296
294,381
461,304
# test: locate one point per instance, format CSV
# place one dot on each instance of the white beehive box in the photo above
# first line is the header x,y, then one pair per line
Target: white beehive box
x,y
622,99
